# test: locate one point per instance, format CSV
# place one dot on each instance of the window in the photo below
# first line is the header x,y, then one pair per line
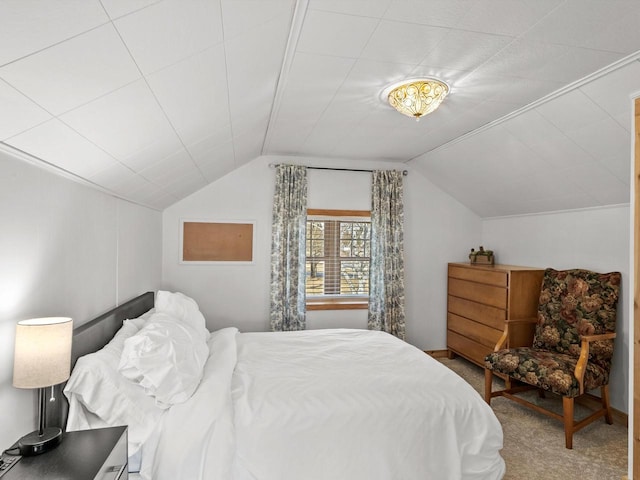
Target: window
x,y
338,247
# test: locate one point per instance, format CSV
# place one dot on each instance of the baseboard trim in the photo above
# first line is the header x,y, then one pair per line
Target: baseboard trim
x,y
437,353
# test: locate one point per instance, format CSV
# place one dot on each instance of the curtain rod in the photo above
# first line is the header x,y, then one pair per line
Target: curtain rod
x,y
404,172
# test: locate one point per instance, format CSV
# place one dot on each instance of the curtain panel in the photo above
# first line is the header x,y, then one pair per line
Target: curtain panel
x,y
288,310
386,282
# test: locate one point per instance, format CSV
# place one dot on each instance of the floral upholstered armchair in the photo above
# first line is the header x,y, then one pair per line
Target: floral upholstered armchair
x,y
572,346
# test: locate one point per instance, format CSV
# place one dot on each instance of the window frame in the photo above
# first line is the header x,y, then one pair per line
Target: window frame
x,y
338,302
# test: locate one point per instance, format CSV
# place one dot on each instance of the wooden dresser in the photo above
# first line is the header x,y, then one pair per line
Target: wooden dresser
x,y
480,298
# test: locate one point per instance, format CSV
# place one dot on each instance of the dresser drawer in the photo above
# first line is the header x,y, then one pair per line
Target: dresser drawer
x,y
468,348
478,332
490,277
478,292
479,312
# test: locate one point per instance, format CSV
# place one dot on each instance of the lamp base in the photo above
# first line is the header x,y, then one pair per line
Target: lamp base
x,y
35,444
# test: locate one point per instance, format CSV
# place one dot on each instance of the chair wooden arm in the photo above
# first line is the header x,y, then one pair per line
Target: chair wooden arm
x,y
581,366
595,338
505,334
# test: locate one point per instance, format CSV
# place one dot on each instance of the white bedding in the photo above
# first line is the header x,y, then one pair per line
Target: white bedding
x,y
325,404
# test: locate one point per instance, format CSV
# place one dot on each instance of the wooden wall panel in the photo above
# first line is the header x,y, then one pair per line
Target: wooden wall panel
x,y
636,298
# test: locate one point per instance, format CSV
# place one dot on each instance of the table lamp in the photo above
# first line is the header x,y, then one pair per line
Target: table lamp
x,y
42,359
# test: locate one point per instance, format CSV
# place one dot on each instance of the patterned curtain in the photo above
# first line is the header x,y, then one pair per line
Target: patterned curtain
x,y
386,282
288,249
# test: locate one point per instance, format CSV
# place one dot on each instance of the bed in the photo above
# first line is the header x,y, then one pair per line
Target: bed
x,y
322,404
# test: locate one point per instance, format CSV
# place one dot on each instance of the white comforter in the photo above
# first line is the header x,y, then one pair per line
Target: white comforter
x,y
325,404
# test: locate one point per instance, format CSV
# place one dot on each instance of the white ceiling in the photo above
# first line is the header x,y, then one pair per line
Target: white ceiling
x,y
152,100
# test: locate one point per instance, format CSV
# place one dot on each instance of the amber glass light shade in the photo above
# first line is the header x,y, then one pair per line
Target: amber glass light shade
x,y
417,98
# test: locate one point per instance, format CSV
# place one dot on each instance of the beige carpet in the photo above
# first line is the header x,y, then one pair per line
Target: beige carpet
x,y
534,444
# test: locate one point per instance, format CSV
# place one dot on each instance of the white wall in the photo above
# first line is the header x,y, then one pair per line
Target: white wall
x,y
438,230
595,239
67,250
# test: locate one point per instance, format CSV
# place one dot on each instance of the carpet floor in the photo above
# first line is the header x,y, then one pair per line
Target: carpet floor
x,y
534,444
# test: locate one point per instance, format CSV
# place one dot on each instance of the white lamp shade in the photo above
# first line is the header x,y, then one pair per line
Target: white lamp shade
x,y
42,352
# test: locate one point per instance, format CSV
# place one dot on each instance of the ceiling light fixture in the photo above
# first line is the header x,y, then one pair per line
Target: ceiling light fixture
x,y
417,97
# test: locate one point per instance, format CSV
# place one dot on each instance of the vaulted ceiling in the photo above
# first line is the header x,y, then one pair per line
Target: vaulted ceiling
x,y
152,100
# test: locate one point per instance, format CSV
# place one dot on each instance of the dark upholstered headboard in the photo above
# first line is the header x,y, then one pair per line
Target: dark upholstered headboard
x,y
91,337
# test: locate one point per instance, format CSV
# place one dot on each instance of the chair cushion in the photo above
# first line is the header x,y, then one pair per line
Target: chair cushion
x,y
550,371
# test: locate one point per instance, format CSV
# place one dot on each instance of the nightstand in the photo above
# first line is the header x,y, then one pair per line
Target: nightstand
x,y
99,454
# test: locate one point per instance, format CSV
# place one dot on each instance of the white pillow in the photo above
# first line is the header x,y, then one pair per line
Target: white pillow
x,y
141,320
184,308
96,387
166,358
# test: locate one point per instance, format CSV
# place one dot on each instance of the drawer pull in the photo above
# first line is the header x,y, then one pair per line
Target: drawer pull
x,y
114,472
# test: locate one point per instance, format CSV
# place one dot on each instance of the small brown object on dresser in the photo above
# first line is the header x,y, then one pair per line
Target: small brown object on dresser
x,y
480,299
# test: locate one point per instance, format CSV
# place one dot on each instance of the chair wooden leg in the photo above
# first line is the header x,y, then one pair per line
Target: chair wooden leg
x,y
488,380
567,410
605,404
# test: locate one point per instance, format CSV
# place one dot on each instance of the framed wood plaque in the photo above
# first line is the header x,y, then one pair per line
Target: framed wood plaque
x,y
217,242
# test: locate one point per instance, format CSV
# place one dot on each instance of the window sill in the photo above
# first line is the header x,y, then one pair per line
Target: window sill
x,y
337,304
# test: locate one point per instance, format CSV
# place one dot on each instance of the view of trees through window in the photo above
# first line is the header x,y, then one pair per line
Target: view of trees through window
x,y
338,256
